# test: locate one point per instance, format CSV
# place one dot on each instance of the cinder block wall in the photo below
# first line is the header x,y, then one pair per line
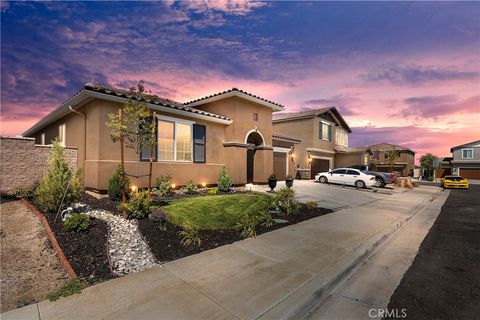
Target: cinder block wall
x,y
22,163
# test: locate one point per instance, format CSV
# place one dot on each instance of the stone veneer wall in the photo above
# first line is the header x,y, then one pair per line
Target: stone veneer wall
x,y
22,163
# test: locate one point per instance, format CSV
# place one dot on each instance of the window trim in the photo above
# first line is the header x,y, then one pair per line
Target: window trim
x,y
341,131
330,124
175,121
200,144
469,149
63,142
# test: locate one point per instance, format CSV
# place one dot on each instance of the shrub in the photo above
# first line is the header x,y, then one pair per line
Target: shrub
x,y
72,286
212,191
164,185
138,205
116,183
57,177
189,188
311,205
284,202
266,219
272,177
22,302
24,192
77,222
224,181
189,234
247,225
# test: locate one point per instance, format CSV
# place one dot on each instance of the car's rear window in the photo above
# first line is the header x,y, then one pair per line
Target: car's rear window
x,y
454,178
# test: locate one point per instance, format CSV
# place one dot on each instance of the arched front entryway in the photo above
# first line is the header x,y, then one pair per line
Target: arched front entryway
x,y
253,140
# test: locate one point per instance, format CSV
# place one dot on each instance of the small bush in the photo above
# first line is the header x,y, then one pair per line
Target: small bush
x,y
212,191
224,181
116,183
22,302
138,206
77,223
190,235
164,185
311,205
247,226
266,219
52,187
72,286
189,188
24,192
284,202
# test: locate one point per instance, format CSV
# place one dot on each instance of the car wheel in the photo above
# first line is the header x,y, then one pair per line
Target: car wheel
x,y
359,184
379,183
323,179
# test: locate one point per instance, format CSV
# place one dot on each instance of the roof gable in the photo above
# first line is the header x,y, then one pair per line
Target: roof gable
x,y
473,144
331,111
234,92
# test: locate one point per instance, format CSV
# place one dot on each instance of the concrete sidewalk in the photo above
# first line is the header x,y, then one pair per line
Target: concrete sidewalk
x,y
279,274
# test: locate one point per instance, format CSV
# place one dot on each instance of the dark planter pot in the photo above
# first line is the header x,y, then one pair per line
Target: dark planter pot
x,y
272,183
289,183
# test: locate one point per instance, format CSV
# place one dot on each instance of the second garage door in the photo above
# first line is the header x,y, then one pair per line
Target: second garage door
x,y
319,165
280,165
470,173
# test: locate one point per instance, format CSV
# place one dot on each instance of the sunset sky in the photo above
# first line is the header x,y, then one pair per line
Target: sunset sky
x,y
411,70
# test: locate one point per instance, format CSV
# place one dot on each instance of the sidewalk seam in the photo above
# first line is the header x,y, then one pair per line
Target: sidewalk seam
x,y
202,293
38,311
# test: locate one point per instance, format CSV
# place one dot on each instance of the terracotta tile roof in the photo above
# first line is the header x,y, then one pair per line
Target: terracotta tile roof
x,y
149,98
234,90
388,146
284,137
302,114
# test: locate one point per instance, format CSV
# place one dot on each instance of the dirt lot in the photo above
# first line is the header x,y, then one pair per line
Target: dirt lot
x,y
29,266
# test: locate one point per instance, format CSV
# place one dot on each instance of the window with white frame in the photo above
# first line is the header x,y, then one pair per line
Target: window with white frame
x,y
61,134
174,140
325,132
341,137
467,153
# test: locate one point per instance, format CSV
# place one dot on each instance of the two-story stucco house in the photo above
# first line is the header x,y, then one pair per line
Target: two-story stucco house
x,y
324,141
465,161
194,140
404,164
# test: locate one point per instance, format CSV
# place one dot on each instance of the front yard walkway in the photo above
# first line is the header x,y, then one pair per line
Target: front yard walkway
x,y
30,268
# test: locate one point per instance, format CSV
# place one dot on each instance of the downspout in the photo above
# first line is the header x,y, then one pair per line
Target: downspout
x,y
84,140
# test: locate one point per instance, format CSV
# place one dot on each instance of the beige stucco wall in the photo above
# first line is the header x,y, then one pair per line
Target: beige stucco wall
x,y
22,163
98,155
344,160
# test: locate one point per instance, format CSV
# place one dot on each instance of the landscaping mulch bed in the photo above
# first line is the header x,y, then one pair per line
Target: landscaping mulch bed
x,y
165,242
86,251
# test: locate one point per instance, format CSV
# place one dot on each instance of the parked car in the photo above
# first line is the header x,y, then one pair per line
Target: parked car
x,y
454,182
349,176
382,178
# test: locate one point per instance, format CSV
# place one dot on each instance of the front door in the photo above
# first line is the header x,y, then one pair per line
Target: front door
x,y
250,161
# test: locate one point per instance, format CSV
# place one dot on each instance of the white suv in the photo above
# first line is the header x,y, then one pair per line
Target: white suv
x,y
347,176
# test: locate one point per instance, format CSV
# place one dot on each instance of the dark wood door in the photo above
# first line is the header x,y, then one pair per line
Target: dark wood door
x,y
280,165
318,165
250,161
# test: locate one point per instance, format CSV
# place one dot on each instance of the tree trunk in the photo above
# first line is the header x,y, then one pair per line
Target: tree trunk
x,y
152,144
122,161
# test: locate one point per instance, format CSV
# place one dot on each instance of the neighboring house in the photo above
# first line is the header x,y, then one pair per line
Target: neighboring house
x,y
404,164
324,141
465,161
195,140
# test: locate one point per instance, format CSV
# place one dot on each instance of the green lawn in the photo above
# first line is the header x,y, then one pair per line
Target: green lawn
x,y
215,212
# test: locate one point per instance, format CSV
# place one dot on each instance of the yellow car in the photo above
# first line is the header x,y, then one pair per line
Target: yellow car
x,y
454,182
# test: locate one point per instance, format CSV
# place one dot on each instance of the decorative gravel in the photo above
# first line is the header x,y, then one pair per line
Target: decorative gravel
x,y
127,250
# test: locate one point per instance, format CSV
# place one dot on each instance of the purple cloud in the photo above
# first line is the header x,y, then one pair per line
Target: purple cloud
x,y
416,75
432,107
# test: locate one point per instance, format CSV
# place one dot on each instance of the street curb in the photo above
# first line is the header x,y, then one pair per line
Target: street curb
x,y
51,235
301,301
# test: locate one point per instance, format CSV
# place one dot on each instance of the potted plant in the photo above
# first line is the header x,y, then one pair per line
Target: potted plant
x,y
289,181
272,182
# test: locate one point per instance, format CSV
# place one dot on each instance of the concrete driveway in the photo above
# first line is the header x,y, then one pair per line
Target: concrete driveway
x,y
329,196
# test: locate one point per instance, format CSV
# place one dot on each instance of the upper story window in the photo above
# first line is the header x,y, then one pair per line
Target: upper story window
x,y
467,153
325,132
61,134
341,137
255,116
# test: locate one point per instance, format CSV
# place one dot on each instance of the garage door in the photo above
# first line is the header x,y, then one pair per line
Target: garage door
x,y
470,173
318,165
280,165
